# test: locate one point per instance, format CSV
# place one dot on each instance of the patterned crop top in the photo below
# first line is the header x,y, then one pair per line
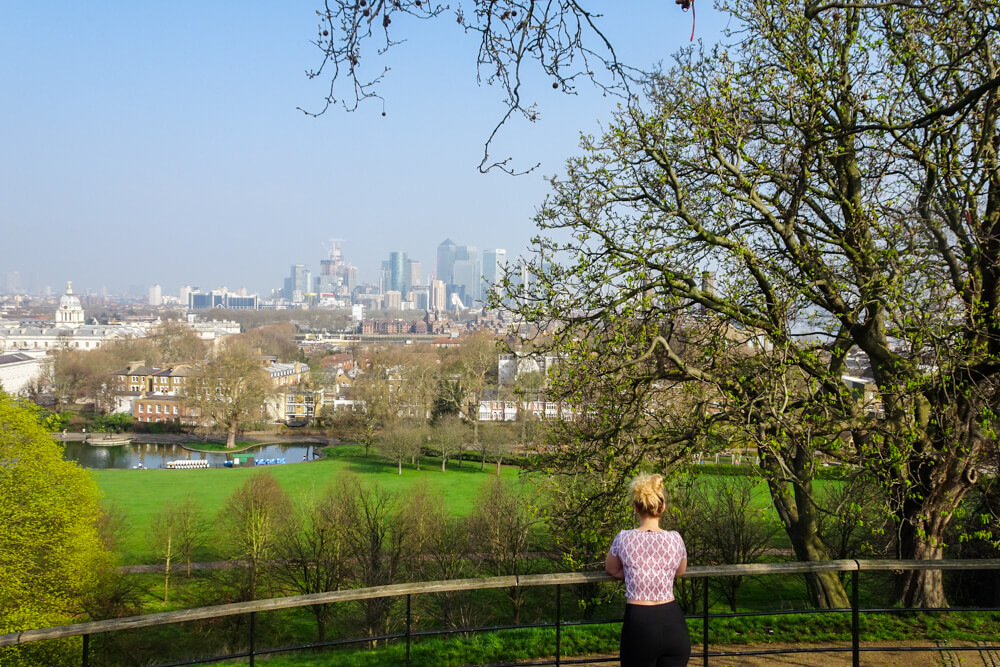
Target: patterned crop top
x,y
650,559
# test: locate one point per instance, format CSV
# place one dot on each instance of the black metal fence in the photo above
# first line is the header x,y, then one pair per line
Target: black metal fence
x,y
558,581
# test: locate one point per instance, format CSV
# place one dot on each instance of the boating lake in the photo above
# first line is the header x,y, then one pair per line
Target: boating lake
x,y
151,455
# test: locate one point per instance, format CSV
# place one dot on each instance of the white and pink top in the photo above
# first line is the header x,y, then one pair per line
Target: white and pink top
x,y
650,559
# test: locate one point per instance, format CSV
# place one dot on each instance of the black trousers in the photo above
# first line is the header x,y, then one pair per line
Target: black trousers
x,y
655,636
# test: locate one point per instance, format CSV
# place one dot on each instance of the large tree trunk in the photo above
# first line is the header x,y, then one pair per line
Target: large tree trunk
x,y
924,516
800,517
231,438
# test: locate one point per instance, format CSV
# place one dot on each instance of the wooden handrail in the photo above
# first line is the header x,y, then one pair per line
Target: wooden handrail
x,y
560,578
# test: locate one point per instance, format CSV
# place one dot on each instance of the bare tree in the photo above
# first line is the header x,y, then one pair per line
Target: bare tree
x,y
503,519
734,528
448,436
229,391
399,443
563,39
311,552
377,539
250,521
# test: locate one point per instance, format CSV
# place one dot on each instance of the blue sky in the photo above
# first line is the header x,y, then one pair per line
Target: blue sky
x,y
161,143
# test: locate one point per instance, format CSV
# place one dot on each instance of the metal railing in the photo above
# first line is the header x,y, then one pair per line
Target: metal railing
x,y
558,580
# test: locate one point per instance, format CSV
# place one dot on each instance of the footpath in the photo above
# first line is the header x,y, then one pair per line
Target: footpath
x,y
983,655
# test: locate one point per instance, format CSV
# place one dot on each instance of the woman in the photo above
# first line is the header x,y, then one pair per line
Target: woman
x,y
648,558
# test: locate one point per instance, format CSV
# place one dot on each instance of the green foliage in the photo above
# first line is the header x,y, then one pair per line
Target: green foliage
x,y
49,543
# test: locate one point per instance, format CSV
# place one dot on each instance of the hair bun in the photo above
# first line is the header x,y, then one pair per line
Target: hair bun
x,y
647,494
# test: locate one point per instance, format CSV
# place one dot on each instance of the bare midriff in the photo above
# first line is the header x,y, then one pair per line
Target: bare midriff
x,y
648,603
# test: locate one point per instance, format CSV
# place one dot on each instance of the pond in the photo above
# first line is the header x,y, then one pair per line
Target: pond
x,y
151,455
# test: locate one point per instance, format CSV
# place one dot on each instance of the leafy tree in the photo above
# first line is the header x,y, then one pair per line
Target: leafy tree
x,y
50,548
230,391
836,167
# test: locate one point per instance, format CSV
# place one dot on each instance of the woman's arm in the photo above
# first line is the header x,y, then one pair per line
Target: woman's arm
x,y
613,566
681,568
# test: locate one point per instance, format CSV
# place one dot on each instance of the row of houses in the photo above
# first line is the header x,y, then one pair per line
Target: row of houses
x,y
155,394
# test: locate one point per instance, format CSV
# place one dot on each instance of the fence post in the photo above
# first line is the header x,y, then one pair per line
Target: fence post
x,y
253,636
704,626
855,625
408,624
558,621
86,650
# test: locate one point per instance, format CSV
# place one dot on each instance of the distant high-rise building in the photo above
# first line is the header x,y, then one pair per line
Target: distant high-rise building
x,y
298,283
155,295
351,278
393,300
411,275
445,260
184,293
334,265
385,277
494,263
437,295
468,274
397,262
14,282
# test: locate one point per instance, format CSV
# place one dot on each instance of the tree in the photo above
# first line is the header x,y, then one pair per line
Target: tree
x,y
504,517
50,548
250,521
178,530
229,391
836,168
448,436
563,38
311,551
734,531
401,442
170,343
377,538
473,366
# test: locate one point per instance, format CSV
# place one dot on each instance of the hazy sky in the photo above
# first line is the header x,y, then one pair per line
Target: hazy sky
x,y
147,143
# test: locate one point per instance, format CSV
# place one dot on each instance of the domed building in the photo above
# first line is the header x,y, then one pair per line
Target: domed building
x,y
67,331
70,312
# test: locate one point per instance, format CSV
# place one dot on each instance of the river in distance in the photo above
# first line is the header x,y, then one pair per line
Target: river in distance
x,y
151,455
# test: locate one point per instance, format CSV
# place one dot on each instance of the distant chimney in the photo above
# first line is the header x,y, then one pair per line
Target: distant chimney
x,y
708,282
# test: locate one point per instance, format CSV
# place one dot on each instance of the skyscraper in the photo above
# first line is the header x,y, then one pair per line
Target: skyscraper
x,y
445,261
298,283
494,263
411,275
397,262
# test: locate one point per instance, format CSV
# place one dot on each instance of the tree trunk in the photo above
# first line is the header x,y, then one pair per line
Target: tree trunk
x,y
444,461
924,516
231,438
800,517
399,466
320,614
166,568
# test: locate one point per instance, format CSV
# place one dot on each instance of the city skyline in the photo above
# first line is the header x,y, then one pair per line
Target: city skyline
x,y
172,136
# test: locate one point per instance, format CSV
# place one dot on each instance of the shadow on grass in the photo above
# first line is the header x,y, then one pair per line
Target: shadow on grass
x,y
354,456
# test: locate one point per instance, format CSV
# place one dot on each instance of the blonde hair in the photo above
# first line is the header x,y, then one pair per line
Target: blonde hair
x,y
647,494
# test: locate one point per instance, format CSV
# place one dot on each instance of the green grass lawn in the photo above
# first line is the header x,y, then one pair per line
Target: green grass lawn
x,y
140,494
